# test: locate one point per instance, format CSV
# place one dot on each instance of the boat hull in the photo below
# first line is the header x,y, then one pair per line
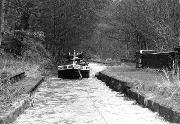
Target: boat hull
x,y
73,74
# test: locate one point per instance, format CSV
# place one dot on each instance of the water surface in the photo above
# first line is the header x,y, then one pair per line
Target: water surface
x,y
87,101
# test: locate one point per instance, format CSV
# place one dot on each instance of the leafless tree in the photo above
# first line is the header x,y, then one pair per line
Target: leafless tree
x,y
3,2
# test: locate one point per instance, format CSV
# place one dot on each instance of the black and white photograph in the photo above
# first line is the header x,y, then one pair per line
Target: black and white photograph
x,y
89,61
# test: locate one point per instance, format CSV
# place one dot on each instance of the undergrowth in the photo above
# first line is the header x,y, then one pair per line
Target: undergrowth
x,y
10,65
8,95
166,84
153,83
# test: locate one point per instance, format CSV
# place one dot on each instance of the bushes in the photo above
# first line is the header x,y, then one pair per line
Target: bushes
x,y
8,94
12,44
24,44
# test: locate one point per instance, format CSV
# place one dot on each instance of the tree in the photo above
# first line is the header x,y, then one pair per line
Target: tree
x,y
67,24
154,24
3,2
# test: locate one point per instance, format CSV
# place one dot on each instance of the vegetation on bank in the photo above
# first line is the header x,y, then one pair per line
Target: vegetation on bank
x,y
10,66
158,85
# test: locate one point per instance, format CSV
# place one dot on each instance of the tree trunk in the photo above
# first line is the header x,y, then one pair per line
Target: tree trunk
x,y
2,20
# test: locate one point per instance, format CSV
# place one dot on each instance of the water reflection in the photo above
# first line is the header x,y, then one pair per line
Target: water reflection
x,y
87,101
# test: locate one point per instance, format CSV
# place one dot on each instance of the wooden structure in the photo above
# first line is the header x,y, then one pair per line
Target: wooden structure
x,y
157,60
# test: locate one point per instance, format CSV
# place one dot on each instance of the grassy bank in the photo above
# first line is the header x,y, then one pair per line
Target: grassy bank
x,y
161,86
9,66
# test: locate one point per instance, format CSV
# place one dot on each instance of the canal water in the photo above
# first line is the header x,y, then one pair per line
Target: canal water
x,y
87,101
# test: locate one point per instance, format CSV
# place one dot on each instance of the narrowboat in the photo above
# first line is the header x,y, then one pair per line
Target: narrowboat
x,y
76,69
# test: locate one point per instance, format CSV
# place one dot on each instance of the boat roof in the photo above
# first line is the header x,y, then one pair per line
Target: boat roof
x,y
141,51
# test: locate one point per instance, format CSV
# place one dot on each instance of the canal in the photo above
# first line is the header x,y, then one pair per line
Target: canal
x,y
87,101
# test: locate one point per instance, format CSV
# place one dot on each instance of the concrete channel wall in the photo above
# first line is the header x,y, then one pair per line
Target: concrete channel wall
x,y
164,111
21,104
